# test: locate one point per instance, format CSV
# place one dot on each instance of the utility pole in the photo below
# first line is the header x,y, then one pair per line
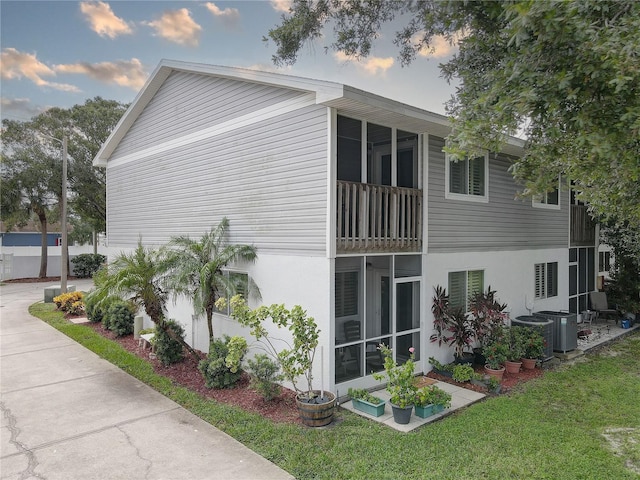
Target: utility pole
x,y
64,258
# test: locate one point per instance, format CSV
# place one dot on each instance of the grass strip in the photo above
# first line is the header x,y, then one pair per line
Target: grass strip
x,y
553,427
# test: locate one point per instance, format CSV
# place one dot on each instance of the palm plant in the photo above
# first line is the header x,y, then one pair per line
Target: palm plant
x,y
140,277
196,268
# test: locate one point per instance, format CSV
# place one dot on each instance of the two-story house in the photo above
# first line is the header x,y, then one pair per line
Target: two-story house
x,y
355,210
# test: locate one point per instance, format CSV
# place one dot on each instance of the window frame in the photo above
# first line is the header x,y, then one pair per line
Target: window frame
x,y
604,260
227,311
545,283
469,197
466,285
542,201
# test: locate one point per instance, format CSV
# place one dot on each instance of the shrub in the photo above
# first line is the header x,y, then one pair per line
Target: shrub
x,y
76,308
94,312
463,372
168,349
264,376
221,368
86,264
65,300
120,317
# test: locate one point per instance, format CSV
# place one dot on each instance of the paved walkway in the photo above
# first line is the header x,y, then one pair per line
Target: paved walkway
x,y
68,414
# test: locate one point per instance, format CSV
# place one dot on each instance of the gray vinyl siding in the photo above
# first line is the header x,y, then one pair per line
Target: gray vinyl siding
x,y
505,223
268,178
188,102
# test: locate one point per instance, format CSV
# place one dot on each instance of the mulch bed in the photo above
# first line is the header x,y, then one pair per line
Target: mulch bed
x,y
281,409
509,380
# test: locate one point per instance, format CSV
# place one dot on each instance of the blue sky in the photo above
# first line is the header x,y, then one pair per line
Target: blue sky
x,y
60,53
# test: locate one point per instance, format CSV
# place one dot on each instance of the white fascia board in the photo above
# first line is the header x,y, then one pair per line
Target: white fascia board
x,y
153,84
257,76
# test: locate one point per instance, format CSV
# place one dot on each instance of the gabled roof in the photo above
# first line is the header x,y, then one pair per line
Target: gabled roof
x,y
348,100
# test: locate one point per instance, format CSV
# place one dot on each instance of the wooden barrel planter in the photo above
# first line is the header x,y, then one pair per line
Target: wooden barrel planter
x,y
314,414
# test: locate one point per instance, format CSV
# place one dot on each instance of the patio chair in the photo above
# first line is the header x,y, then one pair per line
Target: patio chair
x,y
600,305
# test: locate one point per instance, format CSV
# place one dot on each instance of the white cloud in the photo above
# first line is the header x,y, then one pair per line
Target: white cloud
x,y
231,16
177,26
440,46
124,73
103,21
281,5
16,65
371,65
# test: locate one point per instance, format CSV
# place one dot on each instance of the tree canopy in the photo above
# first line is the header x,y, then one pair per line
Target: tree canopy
x,y
566,75
35,145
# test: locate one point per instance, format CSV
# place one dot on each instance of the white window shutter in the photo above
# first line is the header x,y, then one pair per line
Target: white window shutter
x,y
540,280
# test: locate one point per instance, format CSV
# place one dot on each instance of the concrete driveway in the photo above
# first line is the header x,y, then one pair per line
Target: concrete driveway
x,y
68,414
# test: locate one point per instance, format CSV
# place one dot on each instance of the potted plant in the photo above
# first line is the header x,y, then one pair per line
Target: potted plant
x,y
516,337
400,384
493,385
364,401
534,344
452,325
495,354
430,400
316,407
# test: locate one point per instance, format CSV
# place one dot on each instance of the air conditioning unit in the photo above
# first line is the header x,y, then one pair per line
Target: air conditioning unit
x,y
565,332
544,326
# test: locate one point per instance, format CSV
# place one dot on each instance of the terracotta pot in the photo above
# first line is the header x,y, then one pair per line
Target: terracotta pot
x,y
529,363
512,367
497,374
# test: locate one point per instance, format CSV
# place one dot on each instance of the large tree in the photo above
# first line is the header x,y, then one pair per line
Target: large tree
x,y
565,74
30,178
32,168
92,123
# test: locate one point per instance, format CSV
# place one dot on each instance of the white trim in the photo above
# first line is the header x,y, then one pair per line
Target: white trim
x,y
225,127
423,175
467,197
549,206
332,181
394,156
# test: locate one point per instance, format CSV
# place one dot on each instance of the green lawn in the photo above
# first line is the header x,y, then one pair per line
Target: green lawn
x,y
551,428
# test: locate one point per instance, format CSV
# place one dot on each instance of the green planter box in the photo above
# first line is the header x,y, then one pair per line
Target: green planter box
x,y
368,408
428,410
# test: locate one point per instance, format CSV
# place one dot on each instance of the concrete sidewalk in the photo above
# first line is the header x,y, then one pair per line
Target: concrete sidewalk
x,y
68,414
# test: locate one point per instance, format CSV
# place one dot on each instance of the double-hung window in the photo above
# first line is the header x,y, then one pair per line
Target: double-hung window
x,y
463,285
546,280
550,199
468,179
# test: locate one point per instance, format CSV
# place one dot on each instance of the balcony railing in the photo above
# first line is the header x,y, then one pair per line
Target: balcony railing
x,y
583,228
378,218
